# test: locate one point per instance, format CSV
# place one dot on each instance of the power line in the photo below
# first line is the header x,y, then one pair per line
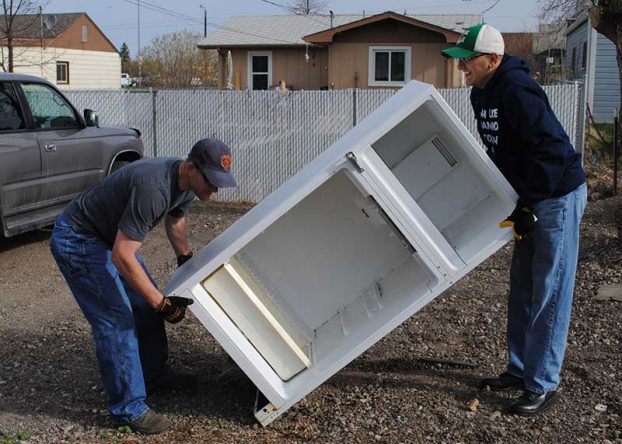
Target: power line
x,y
290,9
491,6
165,11
176,14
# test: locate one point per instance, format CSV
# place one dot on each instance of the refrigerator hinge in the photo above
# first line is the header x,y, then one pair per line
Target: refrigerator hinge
x,y
352,158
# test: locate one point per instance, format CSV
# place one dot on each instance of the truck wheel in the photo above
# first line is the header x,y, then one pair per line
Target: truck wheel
x,y
118,164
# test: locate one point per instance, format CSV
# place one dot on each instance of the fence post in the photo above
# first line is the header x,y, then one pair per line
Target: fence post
x,y
616,147
154,93
354,107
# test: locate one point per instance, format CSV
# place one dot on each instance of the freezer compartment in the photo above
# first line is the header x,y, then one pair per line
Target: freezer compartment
x,y
321,280
446,178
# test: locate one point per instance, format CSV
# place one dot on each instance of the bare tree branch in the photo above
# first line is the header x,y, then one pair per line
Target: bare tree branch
x,y
173,60
308,7
10,29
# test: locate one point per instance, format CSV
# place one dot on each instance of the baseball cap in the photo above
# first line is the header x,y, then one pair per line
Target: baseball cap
x,y
213,158
478,39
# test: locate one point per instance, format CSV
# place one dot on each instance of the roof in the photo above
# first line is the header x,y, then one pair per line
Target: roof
x,y
327,35
289,30
579,20
28,26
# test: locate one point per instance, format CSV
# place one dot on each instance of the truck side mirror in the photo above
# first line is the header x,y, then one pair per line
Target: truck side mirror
x,y
90,118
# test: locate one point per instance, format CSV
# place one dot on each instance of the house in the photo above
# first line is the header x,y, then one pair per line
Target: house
x,y
590,56
542,50
68,50
337,51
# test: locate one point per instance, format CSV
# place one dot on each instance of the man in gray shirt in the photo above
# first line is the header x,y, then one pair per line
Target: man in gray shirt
x,y
95,243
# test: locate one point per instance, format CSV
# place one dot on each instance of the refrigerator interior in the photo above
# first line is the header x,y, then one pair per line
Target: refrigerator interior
x,y
440,171
320,281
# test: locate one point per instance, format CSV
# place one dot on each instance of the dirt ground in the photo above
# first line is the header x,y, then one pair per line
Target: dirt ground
x,y
50,389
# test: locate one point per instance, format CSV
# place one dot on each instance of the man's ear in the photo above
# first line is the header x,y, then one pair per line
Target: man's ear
x,y
191,168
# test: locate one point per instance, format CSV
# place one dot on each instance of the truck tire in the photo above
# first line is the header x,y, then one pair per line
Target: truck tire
x,y
118,164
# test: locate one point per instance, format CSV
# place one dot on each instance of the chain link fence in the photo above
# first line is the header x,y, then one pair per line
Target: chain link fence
x,y
272,134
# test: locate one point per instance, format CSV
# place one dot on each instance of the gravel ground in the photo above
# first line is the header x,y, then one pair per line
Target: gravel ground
x,y
50,389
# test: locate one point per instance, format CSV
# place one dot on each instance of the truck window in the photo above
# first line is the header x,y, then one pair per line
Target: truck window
x,y
11,118
49,109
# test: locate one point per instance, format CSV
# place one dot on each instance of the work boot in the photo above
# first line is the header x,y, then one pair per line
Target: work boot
x,y
531,403
505,381
150,423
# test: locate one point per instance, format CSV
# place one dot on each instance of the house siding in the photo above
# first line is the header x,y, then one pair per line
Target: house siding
x,y
72,38
287,64
350,61
607,81
389,32
575,44
87,69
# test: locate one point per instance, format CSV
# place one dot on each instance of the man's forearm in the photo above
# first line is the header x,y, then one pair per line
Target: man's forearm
x,y
176,231
124,253
133,273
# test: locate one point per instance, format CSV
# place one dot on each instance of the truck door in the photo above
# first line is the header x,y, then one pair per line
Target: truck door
x,y
20,160
70,156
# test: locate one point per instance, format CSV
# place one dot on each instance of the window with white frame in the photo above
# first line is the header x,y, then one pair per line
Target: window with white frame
x,y
62,73
389,65
259,70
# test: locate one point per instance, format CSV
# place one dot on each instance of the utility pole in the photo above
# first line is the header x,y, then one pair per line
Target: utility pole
x,y
204,20
140,60
41,25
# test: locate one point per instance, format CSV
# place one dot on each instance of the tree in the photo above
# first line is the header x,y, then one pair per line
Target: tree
x,y
124,52
308,7
173,60
606,18
12,28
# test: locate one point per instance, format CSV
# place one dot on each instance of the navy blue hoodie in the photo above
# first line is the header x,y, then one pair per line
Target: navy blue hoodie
x,y
524,138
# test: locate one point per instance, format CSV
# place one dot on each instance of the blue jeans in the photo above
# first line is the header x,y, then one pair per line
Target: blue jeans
x,y
130,338
542,279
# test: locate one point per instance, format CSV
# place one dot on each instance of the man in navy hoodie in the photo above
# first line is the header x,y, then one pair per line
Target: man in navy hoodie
x,y
529,146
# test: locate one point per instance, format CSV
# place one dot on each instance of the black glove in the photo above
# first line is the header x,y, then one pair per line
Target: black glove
x,y
183,258
522,220
173,308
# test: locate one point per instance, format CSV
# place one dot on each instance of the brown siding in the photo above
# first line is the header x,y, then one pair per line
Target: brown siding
x,y
428,65
287,64
350,60
341,63
72,38
290,65
239,57
389,31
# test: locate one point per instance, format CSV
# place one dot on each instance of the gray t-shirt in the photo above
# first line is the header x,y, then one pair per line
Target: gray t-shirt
x,y
133,199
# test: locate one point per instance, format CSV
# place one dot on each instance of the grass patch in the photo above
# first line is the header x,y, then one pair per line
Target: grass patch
x,y
13,439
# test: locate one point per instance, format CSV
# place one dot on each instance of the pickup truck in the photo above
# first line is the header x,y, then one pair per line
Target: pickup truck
x,y
127,80
49,152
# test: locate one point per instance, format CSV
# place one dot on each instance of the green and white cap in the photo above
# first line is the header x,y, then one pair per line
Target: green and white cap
x,y
477,39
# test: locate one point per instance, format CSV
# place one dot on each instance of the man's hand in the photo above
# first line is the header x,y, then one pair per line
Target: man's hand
x,y
173,308
183,258
522,221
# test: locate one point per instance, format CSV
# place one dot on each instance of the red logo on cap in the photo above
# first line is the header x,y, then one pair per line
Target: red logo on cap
x,y
225,162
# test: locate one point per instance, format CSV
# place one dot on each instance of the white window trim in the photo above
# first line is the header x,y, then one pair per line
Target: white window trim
x,y
372,65
251,54
66,64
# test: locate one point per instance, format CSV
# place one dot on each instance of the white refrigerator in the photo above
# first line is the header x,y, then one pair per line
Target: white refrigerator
x,y
359,240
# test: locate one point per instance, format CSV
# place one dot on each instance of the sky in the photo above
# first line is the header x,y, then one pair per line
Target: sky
x,y
119,19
